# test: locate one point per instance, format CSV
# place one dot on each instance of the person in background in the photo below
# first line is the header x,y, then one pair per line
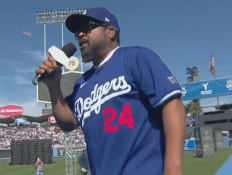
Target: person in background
x,y
39,166
83,161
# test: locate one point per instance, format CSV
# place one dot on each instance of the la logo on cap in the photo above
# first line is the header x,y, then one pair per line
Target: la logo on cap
x,y
107,19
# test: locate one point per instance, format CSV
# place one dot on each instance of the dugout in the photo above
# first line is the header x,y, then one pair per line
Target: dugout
x,y
218,120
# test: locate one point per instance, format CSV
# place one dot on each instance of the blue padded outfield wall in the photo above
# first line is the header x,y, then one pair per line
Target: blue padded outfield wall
x,y
57,152
206,89
190,145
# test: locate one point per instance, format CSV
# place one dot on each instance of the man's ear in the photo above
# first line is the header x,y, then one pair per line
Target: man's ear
x,y
111,32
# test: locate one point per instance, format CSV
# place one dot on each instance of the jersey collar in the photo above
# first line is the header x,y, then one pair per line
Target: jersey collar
x,y
107,58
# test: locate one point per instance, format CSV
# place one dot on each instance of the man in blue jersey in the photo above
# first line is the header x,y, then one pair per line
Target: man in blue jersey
x,y
128,104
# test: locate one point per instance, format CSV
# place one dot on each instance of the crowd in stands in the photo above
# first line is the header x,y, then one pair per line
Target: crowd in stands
x,y
9,133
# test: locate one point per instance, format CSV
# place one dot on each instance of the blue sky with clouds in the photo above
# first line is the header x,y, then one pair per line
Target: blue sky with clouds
x,y
183,33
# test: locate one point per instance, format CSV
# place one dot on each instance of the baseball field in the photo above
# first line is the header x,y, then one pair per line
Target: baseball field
x,y
192,165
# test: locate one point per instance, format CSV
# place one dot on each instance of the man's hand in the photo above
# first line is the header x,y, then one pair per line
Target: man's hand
x,y
51,68
61,111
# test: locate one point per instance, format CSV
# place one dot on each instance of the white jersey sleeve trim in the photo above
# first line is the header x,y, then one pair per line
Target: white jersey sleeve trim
x,y
167,96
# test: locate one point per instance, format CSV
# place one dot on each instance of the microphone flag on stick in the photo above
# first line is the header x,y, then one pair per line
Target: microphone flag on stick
x,y
60,56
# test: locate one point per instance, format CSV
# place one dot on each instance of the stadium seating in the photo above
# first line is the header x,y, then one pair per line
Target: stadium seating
x,y
9,133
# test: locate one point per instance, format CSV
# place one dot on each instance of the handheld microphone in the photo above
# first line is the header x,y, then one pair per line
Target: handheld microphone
x,y
60,56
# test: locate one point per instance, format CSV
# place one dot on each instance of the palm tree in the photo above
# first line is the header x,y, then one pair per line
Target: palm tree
x,y
194,108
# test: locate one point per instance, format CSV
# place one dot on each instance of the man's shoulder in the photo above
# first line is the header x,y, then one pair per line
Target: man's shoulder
x,y
134,50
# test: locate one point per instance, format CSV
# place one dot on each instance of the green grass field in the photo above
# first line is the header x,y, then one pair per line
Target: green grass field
x,y
205,166
57,168
192,165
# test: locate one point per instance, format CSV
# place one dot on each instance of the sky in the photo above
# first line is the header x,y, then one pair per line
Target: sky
x,y
183,34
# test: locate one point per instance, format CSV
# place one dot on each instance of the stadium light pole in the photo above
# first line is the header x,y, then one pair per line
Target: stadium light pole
x,y
51,17
55,16
193,72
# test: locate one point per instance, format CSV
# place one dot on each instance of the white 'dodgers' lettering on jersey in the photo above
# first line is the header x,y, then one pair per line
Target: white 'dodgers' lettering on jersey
x,y
99,96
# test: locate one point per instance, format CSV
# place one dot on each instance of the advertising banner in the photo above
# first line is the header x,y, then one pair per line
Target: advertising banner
x,y
20,121
206,89
11,110
204,141
60,152
51,119
77,150
218,140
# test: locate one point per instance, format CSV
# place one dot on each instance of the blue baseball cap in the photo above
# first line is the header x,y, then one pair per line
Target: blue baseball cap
x,y
97,14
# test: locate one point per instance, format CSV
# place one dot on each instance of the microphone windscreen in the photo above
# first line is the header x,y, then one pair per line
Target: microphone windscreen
x,y
69,49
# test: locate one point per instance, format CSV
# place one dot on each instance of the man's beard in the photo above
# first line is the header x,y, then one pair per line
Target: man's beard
x,y
86,58
92,53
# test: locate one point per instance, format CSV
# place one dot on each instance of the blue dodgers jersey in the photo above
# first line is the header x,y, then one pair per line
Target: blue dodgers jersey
x,y
118,108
